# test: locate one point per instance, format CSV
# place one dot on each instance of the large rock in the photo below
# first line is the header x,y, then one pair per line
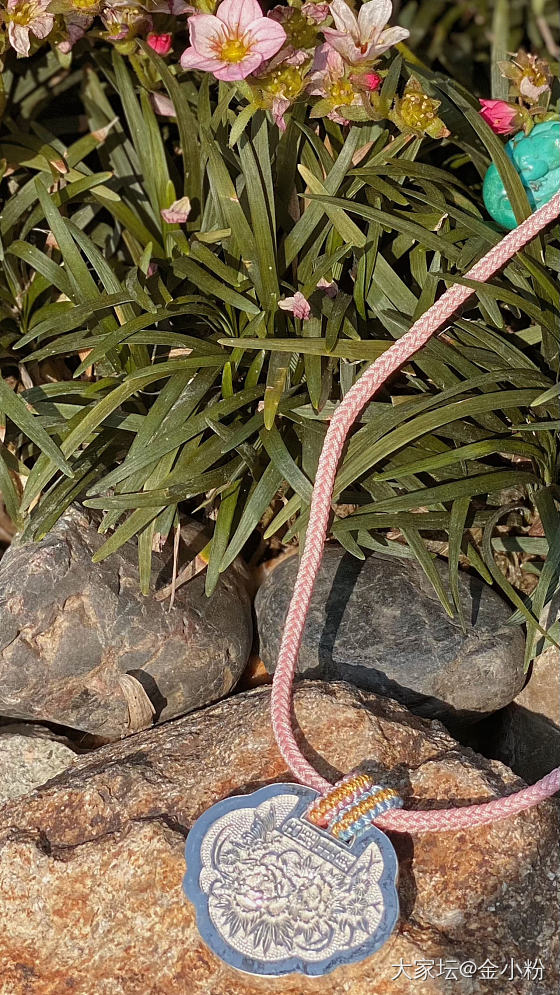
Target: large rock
x,y
28,758
91,865
80,646
380,625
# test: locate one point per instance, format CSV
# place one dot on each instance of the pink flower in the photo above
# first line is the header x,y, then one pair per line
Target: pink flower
x,y
362,38
25,17
327,69
328,80
298,305
502,117
279,107
160,43
178,212
317,12
234,42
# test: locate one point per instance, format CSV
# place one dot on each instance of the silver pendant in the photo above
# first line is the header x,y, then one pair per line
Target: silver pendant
x,y
274,894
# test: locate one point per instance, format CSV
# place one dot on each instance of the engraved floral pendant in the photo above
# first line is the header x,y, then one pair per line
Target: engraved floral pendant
x,y
274,894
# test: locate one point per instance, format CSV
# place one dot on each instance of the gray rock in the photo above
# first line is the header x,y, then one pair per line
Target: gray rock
x,y
28,760
380,625
80,645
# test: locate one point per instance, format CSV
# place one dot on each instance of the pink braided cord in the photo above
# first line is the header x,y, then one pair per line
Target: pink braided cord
x,y
362,391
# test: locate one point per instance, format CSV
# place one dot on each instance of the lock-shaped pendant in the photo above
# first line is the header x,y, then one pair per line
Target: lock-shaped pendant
x,y
274,894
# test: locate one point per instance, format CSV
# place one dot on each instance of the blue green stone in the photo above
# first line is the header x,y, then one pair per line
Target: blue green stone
x,y
536,157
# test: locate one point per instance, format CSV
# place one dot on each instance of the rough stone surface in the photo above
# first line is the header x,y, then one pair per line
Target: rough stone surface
x,y
526,734
541,693
91,865
71,630
380,625
28,759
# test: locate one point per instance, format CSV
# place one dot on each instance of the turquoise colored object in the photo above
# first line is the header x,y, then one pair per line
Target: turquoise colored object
x,y
536,157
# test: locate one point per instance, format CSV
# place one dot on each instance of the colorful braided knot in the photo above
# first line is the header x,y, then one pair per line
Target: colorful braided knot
x,y
357,818
343,795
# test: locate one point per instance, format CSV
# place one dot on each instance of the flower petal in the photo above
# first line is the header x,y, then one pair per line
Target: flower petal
x,y
208,34
42,26
298,305
265,36
162,105
178,212
239,70
373,17
190,59
239,14
344,18
18,35
392,36
343,45
279,107
528,89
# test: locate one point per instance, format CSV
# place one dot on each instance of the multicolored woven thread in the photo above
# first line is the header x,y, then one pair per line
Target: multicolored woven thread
x,y
349,808
348,410
345,793
355,820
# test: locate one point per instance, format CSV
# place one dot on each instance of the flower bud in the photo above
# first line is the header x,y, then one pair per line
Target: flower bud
x,y
502,117
161,44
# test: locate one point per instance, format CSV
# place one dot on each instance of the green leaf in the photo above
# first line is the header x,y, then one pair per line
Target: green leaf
x,y
348,231
285,464
21,414
426,561
222,530
278,367
459,512
261,497
500,48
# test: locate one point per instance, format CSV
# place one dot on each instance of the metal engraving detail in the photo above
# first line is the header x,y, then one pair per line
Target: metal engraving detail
x,y
275,895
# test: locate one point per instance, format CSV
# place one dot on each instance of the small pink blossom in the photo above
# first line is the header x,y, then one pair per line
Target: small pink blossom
x,y
328,80
329,286
362,38
298,305
279,107
328,68
317,12
178,212
233,42
502,117
24,17
162,105
161,44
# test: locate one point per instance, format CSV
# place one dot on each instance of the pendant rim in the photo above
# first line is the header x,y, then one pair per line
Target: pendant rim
x,y
296,964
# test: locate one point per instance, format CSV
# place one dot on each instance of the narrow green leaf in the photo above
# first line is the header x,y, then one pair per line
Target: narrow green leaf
x,y
459,511
21,414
